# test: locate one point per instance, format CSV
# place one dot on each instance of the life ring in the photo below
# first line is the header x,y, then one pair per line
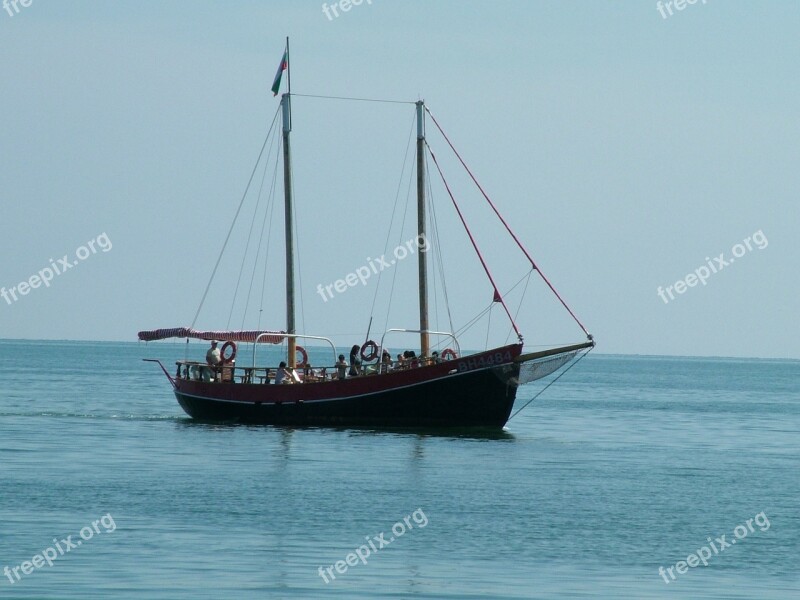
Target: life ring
x,y
222,350
449,354
369,351
303,357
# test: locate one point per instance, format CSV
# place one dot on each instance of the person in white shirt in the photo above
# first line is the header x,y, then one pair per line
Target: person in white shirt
x,y
213,357
213,360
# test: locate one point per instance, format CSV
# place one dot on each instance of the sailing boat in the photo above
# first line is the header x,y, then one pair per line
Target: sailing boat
x,y
428,390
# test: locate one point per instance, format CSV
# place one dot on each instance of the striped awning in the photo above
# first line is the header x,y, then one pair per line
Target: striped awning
x,y
273,337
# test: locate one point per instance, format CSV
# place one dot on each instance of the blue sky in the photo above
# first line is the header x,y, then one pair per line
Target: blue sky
x,y
624,148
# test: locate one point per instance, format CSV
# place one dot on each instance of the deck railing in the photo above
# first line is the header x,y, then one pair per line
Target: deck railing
x,y
230,373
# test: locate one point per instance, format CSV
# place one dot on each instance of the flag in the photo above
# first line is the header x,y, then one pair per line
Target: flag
x,y
276,85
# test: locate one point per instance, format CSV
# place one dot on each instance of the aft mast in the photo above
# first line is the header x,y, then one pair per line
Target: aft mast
x,y
423,262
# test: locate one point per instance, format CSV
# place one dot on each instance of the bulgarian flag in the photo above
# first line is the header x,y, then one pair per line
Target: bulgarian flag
x,y
276,85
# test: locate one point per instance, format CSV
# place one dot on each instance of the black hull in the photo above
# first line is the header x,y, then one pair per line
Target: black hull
x,y
482,398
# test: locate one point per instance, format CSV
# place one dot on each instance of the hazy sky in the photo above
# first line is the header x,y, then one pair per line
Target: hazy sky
x,y
628,149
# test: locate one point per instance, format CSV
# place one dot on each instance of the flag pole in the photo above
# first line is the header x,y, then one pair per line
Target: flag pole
x,y
288,67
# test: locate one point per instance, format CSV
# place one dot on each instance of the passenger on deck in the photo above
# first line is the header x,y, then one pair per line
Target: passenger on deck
x,y
401,361
312,374
213,360
341,367
386,361
283,376
355,361
435,357
213,357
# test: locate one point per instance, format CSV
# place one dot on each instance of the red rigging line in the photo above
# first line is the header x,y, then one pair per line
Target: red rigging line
x,y
505,224
497,296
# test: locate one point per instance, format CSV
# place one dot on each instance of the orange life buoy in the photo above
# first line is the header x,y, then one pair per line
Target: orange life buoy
x,y
449,354
372,354
225,346
303,356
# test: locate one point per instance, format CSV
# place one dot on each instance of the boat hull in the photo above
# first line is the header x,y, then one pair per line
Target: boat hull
x,y
436,396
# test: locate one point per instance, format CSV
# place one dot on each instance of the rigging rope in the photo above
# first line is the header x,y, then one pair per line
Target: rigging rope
x,y
527,279
580,358
298,269
508,228
247,245
400,240
355,99
438,246
269,238
235,217
391,222
269,210
497,296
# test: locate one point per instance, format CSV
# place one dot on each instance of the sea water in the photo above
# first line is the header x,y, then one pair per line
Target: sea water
x,y
619,472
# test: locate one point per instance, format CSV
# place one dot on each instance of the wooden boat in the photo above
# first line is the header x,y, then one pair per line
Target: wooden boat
x,y
450,390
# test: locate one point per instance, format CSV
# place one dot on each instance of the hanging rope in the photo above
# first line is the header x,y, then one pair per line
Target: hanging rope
x,y
580,358
249,236
508,228
400,239
269,210
355,99
438,246
497,295
235,217
527,279
269,240
391,223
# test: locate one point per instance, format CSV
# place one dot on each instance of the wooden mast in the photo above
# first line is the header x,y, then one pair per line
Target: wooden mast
x,y
423,263
287,186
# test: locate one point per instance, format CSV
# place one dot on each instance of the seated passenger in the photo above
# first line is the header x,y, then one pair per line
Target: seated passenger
x,y
341,367
213,357
282,376
386,361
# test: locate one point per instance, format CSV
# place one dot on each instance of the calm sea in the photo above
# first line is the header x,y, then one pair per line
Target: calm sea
x,y
624,466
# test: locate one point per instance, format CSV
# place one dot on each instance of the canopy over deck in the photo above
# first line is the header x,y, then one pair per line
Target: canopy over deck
x,y
269,337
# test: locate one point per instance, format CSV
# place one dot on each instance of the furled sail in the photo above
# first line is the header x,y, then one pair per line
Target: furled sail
x,y
269,337
541,364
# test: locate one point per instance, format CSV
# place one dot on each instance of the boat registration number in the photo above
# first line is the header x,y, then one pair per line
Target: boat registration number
x,y
485,360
